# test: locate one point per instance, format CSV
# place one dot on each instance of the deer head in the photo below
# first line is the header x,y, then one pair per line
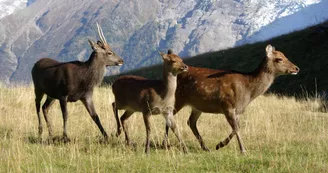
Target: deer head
x,y
173,63
278,63
104,52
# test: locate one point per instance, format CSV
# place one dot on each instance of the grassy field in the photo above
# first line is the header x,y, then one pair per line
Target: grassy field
x,y
281,135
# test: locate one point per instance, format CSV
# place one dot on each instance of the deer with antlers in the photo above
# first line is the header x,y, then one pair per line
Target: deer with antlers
x,y
151,97
72,81
227,92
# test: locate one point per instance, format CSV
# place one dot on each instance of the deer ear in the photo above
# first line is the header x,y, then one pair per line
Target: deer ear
x,y
101,44
93,45
269,49
164,56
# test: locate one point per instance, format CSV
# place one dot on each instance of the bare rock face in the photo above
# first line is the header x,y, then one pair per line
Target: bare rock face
x,y
137,30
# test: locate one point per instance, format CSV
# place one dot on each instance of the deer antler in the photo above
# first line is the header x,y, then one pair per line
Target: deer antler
x,y
101,34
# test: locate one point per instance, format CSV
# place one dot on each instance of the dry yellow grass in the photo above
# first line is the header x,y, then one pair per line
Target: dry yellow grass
x,y
281,135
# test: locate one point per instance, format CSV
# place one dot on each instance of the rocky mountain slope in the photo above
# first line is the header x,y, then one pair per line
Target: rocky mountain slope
x,y
137,30
307,48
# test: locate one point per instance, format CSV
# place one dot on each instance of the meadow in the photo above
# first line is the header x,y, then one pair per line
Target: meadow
x,y
281,134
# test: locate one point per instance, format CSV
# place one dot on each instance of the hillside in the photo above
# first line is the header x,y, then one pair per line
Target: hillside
x,y
307,48
60,29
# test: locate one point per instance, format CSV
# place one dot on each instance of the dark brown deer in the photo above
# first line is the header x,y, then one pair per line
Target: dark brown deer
x,y
72,81
227,92
151,97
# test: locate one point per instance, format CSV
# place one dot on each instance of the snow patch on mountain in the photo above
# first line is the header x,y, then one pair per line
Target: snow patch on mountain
x,y
301,18
7,7
201,26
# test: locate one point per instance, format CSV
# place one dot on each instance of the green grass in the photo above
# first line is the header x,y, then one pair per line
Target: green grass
x,y
280,134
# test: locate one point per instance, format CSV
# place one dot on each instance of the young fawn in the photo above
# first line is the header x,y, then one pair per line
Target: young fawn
x,y
151,97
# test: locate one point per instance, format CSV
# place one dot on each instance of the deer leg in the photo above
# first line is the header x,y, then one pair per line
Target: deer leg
x,y
230,116
166,136
146,116
45,110
88,103
192,123
240,142
118,123
124,117
38,98
226,141
178,107
234,123
63,106
171,123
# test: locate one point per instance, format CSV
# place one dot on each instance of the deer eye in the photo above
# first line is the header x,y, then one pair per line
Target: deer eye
x,y
109,53
278,59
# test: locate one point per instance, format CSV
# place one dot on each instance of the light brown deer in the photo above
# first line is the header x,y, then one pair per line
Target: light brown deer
x,y
151,97
227,92
72,81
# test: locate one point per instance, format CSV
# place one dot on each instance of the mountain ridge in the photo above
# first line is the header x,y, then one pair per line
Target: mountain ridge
x,y
60,30
305,48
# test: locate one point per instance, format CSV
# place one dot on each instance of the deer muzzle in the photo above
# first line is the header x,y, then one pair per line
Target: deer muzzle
x,y
294,71
120,62
184,68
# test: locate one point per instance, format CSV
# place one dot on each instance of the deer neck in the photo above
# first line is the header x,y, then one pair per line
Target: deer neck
x,y
170,85
261,79
95,70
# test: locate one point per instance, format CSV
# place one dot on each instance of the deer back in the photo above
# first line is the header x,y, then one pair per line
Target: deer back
x,y
210,90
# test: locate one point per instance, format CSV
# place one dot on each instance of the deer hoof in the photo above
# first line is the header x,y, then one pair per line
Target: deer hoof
x,y
106,138
165,145
243,152
147,151
206,149
185,150
220,145
66,139
118,133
